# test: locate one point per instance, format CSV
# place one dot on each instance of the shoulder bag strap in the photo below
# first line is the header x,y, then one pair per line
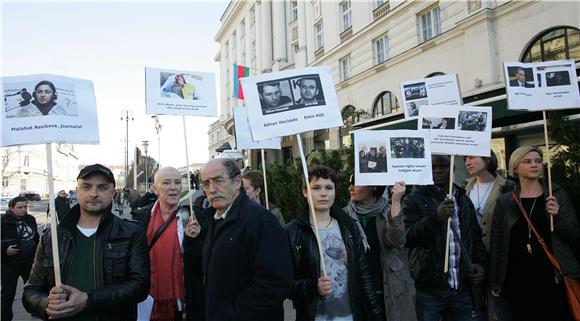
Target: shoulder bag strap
x,y
162,229
540,239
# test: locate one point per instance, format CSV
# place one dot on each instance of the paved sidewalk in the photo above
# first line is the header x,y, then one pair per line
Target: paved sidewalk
x,y
17,308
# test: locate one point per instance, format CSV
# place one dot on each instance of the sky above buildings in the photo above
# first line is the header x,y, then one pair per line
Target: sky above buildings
x,y
111,43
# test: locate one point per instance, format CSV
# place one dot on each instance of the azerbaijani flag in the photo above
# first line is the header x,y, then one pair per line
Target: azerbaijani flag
x,y
239,72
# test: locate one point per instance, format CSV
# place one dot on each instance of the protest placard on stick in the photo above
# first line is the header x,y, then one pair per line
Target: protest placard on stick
x,y
432,91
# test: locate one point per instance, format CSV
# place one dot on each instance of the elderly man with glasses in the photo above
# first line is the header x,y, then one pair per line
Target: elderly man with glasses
x,y
247,268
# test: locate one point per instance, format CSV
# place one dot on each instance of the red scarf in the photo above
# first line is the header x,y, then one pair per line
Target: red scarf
x,y
166,267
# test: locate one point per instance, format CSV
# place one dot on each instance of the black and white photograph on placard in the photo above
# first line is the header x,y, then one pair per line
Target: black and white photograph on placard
x,y
537,86
521,77
383,157
413,106
372,157
472,120
557,78
415,91
48,108
180,92
438,123
291,102
432,91
290,93
407,147
470,136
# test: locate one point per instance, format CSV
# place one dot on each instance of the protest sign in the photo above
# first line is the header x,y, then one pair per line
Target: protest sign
x,y
383,157
47,108
457,130
244,134
541,86
291,102
440,90
179,92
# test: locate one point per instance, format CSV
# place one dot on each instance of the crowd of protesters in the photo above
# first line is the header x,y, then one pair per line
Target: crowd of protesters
x,y
385,256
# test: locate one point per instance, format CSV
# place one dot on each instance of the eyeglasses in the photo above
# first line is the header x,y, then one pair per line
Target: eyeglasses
x,y
216,181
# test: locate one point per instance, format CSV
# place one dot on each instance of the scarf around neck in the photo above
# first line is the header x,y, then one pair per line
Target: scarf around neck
x,y
355,209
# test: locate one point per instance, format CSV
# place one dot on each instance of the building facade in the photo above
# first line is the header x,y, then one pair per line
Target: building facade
x,y
24,169
372,46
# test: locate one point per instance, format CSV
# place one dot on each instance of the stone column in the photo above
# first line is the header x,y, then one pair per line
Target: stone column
x,y
266,35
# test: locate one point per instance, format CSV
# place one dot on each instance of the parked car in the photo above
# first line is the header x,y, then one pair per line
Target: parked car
x,y
31,196
4,200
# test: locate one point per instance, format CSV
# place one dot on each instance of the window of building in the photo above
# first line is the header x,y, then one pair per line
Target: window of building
x,y
295,44
243,60
233,44
26,161
4,182
321,139
345,10
431,23
349,117
435,74
344,64
252,16
473,5
386,103
319,33
560,43
242,30
226,51
381,49
316,7
294,10
253,49
378,3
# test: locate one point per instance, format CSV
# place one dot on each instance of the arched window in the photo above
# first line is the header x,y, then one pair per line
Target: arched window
x,y
558,43
435,74
385,104
349,118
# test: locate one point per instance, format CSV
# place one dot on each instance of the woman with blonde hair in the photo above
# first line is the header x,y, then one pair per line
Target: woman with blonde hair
x,y
520,270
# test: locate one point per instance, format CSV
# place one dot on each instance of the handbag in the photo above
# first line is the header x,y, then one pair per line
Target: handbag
x,y
572,285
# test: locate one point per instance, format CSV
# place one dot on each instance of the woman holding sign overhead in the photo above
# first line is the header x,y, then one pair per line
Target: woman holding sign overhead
x,y
346,292
383,232
520,269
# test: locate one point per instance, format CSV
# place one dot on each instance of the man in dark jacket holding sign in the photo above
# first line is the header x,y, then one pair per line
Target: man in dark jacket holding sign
x,y
247,267
103,258
426,212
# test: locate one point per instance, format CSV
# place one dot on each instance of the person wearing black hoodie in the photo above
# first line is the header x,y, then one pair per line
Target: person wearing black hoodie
x,y
19,241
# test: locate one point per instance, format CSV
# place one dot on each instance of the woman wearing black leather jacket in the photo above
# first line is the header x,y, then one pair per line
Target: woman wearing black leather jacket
x,y
346,291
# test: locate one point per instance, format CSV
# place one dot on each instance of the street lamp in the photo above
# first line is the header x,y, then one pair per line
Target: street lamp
x,y
126,115
145,145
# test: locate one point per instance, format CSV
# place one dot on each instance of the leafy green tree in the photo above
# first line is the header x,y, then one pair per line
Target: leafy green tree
x,y
285,180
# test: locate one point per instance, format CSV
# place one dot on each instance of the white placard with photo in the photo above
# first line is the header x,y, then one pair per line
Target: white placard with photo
x,y
291,102
541,86
244,134
180,92
383,157
440,90
47,108
457,130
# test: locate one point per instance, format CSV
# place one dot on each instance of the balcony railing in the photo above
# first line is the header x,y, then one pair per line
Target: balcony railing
x,y
319,52
381,10
345,35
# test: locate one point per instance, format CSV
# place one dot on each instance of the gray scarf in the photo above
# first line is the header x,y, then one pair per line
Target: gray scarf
x,y
372,210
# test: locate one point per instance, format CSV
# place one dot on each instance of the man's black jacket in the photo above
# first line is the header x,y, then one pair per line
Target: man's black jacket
x,y
246,264
121,267
10,234
426,236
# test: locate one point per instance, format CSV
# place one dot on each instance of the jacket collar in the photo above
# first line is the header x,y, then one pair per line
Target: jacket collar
x,y
433,190
69,221
233,212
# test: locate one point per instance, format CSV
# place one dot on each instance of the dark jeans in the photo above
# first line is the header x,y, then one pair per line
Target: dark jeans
x,y
454,304
10,275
